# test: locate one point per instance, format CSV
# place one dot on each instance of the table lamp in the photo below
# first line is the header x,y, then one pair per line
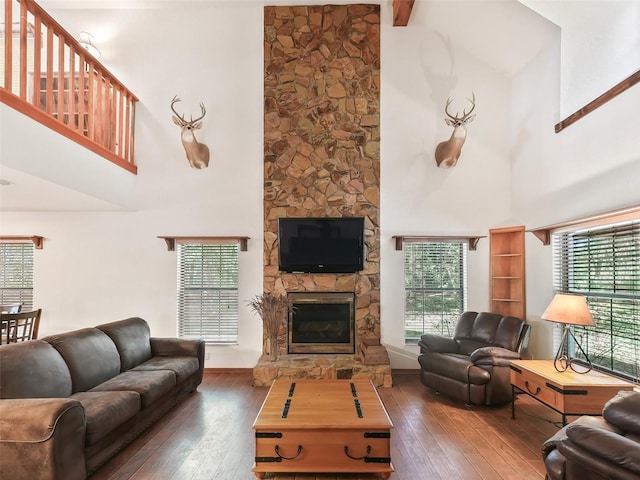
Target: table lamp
x,y
568,310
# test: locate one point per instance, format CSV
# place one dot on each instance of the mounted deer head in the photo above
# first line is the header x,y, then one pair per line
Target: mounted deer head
x,y
448,152
197,153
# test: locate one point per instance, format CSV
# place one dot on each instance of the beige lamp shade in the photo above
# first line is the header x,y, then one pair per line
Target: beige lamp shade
x,y
570,309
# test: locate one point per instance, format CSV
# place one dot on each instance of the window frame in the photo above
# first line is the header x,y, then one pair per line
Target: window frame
x,y
215,292
22,291
445,323
612,290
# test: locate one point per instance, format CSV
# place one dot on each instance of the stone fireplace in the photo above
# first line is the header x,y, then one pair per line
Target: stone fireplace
x,y
322,159
321,322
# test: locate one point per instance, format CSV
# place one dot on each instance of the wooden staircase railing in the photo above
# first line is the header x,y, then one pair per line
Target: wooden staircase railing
x,y
50,77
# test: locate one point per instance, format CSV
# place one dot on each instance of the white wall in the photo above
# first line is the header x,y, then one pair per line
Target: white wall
x,y
591,167
27,149
417,197
102,266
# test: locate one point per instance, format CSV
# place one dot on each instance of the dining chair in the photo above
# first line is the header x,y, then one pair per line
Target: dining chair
x,y
13,308
19,327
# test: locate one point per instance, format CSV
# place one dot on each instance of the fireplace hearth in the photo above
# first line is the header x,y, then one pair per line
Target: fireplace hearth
x,y
321,322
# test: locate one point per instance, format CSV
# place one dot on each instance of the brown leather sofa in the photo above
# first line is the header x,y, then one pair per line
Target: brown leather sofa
x,y
69,402
473,366
598,448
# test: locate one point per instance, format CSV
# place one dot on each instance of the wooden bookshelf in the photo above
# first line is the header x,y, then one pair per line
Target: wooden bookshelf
x,y
507,271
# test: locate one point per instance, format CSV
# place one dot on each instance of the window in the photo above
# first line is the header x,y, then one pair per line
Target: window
x,y
435,284
603,264
16,274
208,292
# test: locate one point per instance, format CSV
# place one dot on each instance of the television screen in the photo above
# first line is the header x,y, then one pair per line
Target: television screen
x,y
317,245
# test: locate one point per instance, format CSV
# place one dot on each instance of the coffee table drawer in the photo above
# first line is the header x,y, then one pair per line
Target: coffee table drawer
x,y
536,387
307,450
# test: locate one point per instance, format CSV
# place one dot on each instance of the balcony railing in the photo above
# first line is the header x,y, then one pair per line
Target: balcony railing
x,y
47,75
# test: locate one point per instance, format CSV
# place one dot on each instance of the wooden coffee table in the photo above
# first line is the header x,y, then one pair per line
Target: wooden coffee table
x,y
323,426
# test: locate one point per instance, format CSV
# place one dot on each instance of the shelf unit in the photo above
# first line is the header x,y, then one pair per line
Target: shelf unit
x,y
507,272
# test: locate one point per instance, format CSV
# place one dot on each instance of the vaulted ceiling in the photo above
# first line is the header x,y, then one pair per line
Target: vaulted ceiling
x,y
504,34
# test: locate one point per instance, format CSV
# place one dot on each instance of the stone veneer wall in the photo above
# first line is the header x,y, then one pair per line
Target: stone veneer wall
x,y
322,139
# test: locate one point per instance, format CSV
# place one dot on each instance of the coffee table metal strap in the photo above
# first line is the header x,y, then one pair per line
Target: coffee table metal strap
x,y
354,392
285,409
358,408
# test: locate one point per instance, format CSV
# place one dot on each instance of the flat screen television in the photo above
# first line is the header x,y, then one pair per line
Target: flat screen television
x,y
321,245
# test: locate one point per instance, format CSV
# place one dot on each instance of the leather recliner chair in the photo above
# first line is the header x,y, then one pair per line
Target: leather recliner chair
x,y
474,365
598,448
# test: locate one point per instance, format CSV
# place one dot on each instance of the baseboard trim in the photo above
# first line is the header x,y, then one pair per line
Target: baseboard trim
x,y
405,371
228,370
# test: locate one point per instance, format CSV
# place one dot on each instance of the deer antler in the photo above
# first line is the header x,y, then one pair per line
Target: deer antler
x,y
176,100
181,117
446,109
465,114
204,112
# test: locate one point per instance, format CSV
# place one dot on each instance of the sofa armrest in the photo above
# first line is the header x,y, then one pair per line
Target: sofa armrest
x,y
587,420
603,451
436,343
622,411
176,347
42,438
493,356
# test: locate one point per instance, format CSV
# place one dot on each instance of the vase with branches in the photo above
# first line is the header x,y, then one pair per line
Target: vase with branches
x,y
273,310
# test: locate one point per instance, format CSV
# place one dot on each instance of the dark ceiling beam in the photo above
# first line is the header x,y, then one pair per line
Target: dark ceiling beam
x,y
402,12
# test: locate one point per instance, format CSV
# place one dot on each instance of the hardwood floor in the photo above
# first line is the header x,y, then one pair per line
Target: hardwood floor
x,y
209,436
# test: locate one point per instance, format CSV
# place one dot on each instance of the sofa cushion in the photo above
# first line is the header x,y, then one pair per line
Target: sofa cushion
x,y
107,410
33,370
132,338
90,354
454,366
467,347
183,367
508,333
151,385
622,411
464,325
475,330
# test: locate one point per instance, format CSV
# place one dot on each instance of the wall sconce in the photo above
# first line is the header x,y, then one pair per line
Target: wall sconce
x,y
87,41
568,310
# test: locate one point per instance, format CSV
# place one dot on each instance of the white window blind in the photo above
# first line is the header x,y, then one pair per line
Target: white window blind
x,y
208,292
603,264
435,283
16,274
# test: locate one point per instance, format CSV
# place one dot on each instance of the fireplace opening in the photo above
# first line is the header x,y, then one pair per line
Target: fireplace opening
x,y
321,322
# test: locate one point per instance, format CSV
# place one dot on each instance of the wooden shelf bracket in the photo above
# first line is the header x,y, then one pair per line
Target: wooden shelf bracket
x,y
38,241
172,240
544,233
471,239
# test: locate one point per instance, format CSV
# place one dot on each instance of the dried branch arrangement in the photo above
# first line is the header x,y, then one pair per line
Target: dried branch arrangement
x,y
273,310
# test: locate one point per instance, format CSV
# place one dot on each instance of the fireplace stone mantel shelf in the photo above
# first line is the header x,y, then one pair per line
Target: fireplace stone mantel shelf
x,y
319,366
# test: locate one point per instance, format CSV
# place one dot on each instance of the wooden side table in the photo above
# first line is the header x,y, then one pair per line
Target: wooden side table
x,y
568,393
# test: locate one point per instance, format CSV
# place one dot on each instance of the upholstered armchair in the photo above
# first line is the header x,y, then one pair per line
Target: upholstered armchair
x,y
473,366
598,448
